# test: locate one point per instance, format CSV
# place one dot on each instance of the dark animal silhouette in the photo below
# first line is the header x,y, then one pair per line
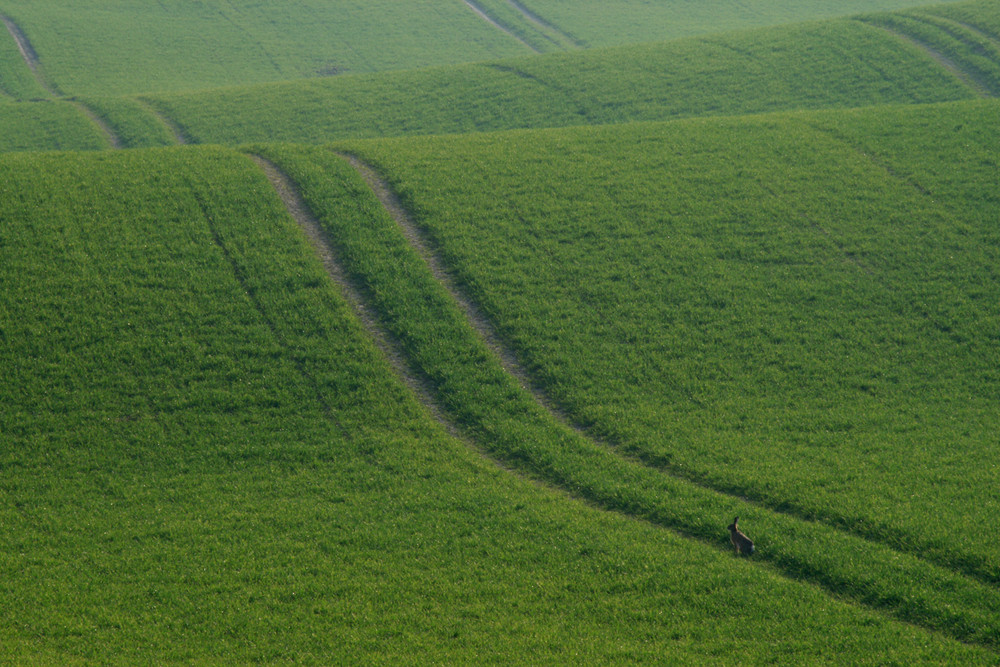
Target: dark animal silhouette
x,y
743,544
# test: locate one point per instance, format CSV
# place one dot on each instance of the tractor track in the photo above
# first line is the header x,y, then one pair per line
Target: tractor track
x,y
29,54
508,359
481,13
355,294
966,78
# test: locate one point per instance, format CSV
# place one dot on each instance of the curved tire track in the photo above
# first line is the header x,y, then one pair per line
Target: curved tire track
x,y
966,613
948,64
513,367
481,13
29,54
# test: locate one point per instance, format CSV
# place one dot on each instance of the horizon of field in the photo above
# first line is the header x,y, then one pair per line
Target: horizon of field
x,y
897,58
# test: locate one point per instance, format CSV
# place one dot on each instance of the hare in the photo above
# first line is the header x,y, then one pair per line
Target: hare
x,y
743,544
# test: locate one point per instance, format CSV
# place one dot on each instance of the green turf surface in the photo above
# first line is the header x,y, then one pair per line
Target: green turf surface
x,y
206,459
594,23
771,308
816,65
47,126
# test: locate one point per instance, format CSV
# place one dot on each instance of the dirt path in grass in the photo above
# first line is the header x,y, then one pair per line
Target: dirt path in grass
x,y
114,141
499,26
356,296
29,54
352,292
549,30
472,313
944,61
179,135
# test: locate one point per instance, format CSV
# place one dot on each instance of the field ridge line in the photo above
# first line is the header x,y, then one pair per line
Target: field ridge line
x,y
481,13
29,54
513,367
949,64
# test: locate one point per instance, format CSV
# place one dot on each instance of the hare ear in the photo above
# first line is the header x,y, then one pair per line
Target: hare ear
x,y
735,520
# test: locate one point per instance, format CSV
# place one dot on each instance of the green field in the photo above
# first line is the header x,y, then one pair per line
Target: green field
x,y
468,327
104,47
199,432
594,23
699,310
816,65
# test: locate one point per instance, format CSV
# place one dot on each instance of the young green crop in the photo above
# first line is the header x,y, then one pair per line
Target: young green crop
x,y
113,47
607,23
47,126
134,124
820,65
17,82
758,304
206,459
975,55
491,406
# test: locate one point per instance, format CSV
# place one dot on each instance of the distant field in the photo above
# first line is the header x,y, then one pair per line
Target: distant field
x,y
593,23
104,47
203,447
814,65
471,324
99,47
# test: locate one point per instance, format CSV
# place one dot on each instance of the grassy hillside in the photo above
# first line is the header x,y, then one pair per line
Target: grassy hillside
x,y
800,310
98,47
47,125
591,23
815,65
965,38
104,47
207,459
558,317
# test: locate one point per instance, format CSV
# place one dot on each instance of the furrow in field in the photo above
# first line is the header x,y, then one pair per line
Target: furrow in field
x,y
354,295
114,141
551,32
29,54
513,367
970,80
481,13
180,136
666,497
